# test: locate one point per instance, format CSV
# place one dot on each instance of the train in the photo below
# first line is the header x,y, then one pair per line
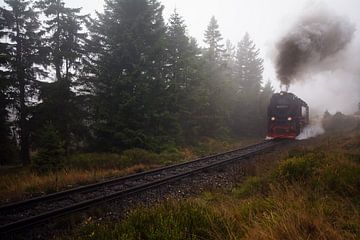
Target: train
x,y
288,115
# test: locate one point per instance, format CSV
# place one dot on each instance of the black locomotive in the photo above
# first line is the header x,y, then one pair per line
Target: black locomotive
x,y
287,116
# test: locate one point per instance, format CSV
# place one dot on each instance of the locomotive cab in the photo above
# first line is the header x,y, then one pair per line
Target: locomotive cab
x,y
287,116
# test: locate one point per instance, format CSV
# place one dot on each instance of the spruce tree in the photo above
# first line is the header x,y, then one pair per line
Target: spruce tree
x,y
178,50
65,37
5,144
249,66
229,55
128,59
267,91
248,77
65,44
265,96
21,29
214,114
213,41
182,76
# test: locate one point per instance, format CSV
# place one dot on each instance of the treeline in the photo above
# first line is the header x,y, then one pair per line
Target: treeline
x,y
121,80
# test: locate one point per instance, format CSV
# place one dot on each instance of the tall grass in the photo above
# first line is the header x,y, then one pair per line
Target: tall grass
x,y
19,183
80,169
313,193
29,184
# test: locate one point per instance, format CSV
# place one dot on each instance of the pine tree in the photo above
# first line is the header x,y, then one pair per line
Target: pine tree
x,y
65,37
178,51
64,41
249,66
214,115
248,76
266,94
182,75
229,55
129,77
267,90
213,38
5,144
24,56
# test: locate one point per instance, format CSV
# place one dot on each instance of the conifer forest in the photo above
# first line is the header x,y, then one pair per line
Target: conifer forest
x,y
125,78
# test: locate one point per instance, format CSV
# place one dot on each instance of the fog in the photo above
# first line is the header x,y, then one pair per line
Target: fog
x,y
335,88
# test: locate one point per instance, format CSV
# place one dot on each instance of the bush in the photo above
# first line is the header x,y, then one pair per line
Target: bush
x,y
171,155
139,156
252,185
339,122
51,153
301,166
342,178
171,220
295,169
91,161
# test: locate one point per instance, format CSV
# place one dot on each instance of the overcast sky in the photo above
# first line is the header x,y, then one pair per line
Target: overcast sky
x,y
265,20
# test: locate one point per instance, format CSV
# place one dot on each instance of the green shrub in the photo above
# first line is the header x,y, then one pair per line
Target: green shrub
x,y
339,122
90,161
171,155
131,157
251,186
343,179
51,153
295,169
211,146
139,156
301,166
172,220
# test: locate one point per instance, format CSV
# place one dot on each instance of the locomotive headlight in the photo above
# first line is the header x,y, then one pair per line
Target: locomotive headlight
x,y
273,119
289,118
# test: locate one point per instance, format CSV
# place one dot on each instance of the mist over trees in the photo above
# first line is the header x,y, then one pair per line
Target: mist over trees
x,y
124,79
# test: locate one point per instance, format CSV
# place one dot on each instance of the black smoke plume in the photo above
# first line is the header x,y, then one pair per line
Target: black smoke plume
x,y
315,37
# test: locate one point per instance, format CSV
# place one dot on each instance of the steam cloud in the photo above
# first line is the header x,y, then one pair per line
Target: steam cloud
x,y
314,38
314,129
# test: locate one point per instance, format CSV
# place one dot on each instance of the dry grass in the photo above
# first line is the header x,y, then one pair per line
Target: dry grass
x,y
19,183
293,216
309,193
26,183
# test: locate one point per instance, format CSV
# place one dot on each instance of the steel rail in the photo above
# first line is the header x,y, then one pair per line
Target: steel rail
x,y
10,207
34,220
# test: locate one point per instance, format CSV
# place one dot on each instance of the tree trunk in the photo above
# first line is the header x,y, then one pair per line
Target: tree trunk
x,y
24,132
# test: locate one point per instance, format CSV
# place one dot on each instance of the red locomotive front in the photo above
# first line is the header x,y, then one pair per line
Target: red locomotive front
x,y
287,116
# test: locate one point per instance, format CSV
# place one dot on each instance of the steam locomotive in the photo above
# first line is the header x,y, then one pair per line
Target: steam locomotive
x,y
287,116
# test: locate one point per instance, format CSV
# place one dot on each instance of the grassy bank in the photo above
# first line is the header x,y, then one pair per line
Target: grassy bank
x,y
311,192
18,183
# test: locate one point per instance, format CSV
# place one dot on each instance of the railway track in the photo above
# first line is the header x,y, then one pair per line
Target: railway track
x,y
23,215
